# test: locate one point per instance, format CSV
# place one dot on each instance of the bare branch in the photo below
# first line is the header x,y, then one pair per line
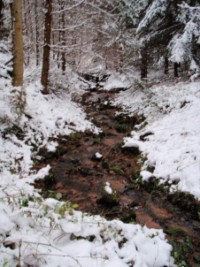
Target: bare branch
x,y
69,8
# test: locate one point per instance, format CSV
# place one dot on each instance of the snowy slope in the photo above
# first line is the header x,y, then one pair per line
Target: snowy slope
x,y
173,144
48,234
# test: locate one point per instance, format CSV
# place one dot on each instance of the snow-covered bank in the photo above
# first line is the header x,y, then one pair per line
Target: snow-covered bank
x,y
50,234
172,142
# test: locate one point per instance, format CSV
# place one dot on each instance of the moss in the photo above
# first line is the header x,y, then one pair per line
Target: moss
x,y
76,136
125,122
121,128
152,186
187,202
182,251
175,231
97,140
116,168
128,216
136,176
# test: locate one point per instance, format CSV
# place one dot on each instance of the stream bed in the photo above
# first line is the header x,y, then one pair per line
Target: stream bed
x,y
85,161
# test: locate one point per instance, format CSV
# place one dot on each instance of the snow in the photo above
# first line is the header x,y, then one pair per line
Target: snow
x,y
146,175
108,188
98,155
56,113
116,81
173,147
181,45
46,238
156,9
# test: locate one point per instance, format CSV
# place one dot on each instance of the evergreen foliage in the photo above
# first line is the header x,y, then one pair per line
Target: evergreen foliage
x,y
173,29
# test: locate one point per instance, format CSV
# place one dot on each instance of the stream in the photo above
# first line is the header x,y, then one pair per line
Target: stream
x,y
78,176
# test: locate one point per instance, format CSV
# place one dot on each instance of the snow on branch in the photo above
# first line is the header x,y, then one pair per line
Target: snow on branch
x,y
181,45
70,28
158,7
101,9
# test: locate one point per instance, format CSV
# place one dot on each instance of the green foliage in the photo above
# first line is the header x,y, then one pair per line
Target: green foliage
x,y
182,250
73,137
115,167
24,201
176,231
65,207
187,202
97,140
121,128
5,263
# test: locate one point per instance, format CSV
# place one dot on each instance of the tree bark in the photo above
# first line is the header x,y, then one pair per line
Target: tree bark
x,y
37,50
18,68
1,14
176,66
63,59
144,63
166,68
46,48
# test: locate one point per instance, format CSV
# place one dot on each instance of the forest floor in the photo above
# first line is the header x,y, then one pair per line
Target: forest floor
x,y
99,159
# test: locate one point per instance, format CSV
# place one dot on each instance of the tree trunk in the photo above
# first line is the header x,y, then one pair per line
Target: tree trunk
x,y
166,70
37,50
18,67
1,14
63,59
46,49
176,66
144,63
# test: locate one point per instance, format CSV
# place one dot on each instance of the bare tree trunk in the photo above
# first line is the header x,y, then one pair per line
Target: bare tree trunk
x,y
63,59
1,14
30,21
37,34
18,68
166,66
144,63
59,34
176,66
46,49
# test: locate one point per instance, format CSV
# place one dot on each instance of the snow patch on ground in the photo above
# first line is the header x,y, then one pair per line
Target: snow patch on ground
x,y
98,155
54,115
173,148
108,188
47,234
116,81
